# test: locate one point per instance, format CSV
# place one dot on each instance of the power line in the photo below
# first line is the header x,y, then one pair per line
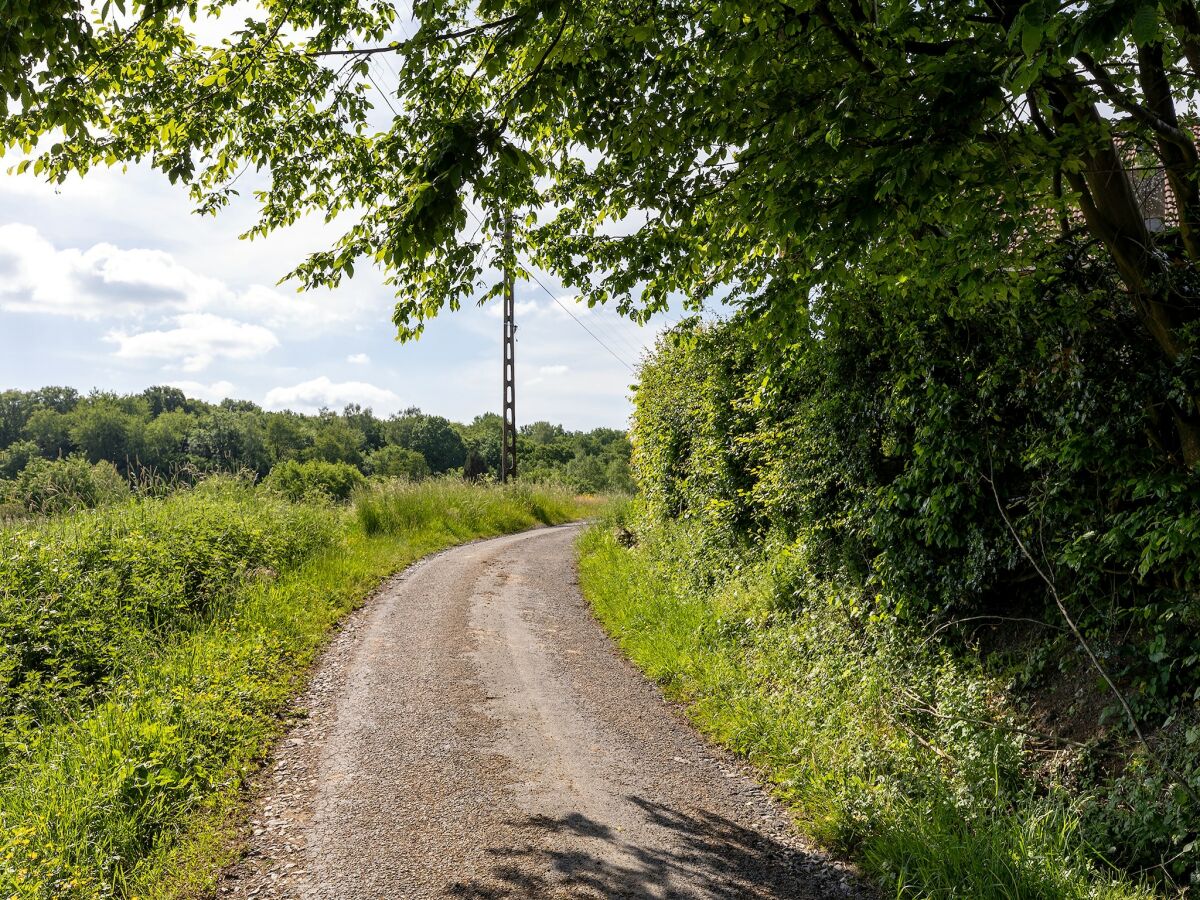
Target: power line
x,y
623,329
563,307
371,78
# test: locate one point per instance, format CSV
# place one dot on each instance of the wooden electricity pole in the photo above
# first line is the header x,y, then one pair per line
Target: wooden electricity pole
x,y
508,433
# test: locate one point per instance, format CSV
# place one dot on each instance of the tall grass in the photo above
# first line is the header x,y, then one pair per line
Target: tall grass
x,y
903,757
461,510
120,766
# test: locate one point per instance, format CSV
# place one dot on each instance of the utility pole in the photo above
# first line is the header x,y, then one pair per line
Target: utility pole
x,y
508,433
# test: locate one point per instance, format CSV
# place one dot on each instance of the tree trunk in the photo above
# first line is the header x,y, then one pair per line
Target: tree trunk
x,y
1113,215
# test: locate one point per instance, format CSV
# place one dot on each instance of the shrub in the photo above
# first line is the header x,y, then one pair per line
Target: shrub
x,y
78,591
396,462
892,444
60,485
16,457
314,478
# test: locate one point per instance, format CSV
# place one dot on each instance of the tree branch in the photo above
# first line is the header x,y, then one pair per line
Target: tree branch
x,y
397,46
1122,101
1184,17
843,37
1087,648
1179,158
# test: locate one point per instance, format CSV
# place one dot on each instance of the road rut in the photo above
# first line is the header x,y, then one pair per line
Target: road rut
x,y
472,732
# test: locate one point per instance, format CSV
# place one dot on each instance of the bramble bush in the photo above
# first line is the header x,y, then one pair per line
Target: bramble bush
x,y
80,594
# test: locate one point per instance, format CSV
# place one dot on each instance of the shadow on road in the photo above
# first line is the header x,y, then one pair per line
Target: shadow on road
x,y
677,855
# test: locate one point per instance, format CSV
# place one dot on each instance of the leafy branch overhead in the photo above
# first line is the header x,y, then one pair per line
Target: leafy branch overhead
x,y
928,153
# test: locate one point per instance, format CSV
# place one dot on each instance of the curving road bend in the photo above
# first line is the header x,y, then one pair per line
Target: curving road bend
x,y
473,733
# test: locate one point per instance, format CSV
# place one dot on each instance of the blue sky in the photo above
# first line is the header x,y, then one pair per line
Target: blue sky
x,y
111,282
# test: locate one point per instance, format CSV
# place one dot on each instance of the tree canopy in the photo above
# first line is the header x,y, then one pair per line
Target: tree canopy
x,y
160,437
929,154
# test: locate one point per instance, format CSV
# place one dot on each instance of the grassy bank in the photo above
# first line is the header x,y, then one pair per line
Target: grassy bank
x,y
902,756
150,650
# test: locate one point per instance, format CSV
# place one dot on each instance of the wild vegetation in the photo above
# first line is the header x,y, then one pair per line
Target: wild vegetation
x,y
60,450
910,759
935,476
148,651
939,590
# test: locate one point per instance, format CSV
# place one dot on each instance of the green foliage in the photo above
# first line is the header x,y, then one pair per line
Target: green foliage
x,y
431,436
707,150
896,442
16,457
1144,819
338,441
883,744
165,440
396,462
593,463
315,478
105,431
80,593
149,654
161,437
231,440
899,451
461,509
46,486
51,431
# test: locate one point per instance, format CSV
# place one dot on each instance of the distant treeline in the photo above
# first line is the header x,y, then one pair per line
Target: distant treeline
x,y
164,435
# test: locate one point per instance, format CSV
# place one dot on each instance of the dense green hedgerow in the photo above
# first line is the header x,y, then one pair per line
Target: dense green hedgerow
x,y
990,475
81,596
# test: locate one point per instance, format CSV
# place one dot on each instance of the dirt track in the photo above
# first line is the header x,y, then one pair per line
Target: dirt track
x,y
472,732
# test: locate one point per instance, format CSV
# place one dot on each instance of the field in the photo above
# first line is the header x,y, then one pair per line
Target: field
x,y
149,651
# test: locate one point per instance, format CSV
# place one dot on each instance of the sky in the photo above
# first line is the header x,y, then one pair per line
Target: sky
x,y
111,282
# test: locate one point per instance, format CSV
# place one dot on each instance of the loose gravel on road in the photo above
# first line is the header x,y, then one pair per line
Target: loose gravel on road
x,y
472,732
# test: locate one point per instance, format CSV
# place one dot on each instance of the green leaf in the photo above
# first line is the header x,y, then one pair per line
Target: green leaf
x,y
1145,24
1031,37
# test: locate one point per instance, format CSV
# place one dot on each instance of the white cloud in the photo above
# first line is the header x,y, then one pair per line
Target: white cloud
x,y
106,281
311,396
213,393
310,313
358,359
195,341
101,281
553,370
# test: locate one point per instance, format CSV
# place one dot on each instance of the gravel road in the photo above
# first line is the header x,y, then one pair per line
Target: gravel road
x,y
472,732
